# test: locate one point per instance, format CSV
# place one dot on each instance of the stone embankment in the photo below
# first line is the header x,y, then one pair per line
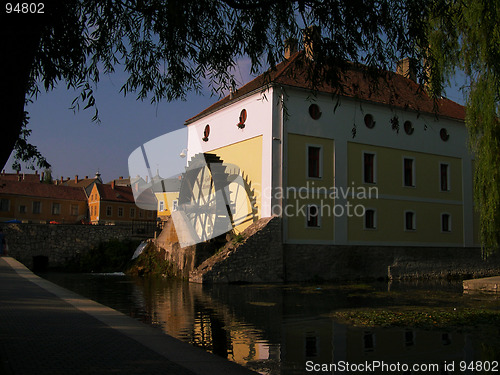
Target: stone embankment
x,y
259,255
487,285
59,243
255,256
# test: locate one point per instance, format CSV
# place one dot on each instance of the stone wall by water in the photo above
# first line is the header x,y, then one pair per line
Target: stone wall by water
x,y
263,258
59,243
257,259
327,262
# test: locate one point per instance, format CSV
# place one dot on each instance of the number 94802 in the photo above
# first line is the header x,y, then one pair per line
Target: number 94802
x,y
25,8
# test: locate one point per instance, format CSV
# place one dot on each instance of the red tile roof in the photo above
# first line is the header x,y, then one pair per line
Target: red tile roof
x,y
83,183
120,181
27,177
118,194
388,88
40,190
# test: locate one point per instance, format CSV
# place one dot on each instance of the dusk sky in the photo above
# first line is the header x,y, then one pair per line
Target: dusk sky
x,y
75,145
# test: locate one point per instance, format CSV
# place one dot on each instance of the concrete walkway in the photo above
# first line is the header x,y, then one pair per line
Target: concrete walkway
x,y
46,329
486,284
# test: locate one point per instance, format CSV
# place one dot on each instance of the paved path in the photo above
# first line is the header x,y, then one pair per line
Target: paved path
x,y
46,329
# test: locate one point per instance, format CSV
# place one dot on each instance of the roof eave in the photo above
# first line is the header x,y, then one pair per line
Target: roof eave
x,y
229,103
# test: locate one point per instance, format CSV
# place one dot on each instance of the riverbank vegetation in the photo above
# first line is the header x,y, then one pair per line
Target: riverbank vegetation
x,y
420,317
110,256
151,261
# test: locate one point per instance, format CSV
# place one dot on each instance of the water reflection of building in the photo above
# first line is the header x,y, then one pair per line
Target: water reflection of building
x,y
191,315
272,332
324,341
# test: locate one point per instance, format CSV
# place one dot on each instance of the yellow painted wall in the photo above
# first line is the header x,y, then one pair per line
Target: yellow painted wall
x,y
247,155
297,161
297,177
98,210
426,347
390,222
168,199
66,214
389,165
296,213
425,198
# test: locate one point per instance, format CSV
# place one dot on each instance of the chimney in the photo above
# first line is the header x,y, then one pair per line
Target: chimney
x,y
62,179
312,41
120,178
76,179
43,176
406,68
113,184
290,47
86,177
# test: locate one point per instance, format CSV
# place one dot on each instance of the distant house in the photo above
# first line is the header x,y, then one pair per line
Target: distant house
x,y
81,182
120,181
167,195
37,202
114,204
27,177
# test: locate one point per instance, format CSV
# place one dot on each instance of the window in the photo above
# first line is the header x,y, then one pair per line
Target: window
x,y
443,133
132,212
22,209
74,210
56,208
369,121
311,345
368,341
314,161
446,339
445,223
162,206
4,205
109,210
120,211
370,219
141,213
444,177
206,133
369,168
408,126
409,338
410,222
408,172
242,119
37,207
314,111
175,205
313,216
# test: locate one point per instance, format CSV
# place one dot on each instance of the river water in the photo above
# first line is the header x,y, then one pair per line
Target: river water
x,y
289,329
